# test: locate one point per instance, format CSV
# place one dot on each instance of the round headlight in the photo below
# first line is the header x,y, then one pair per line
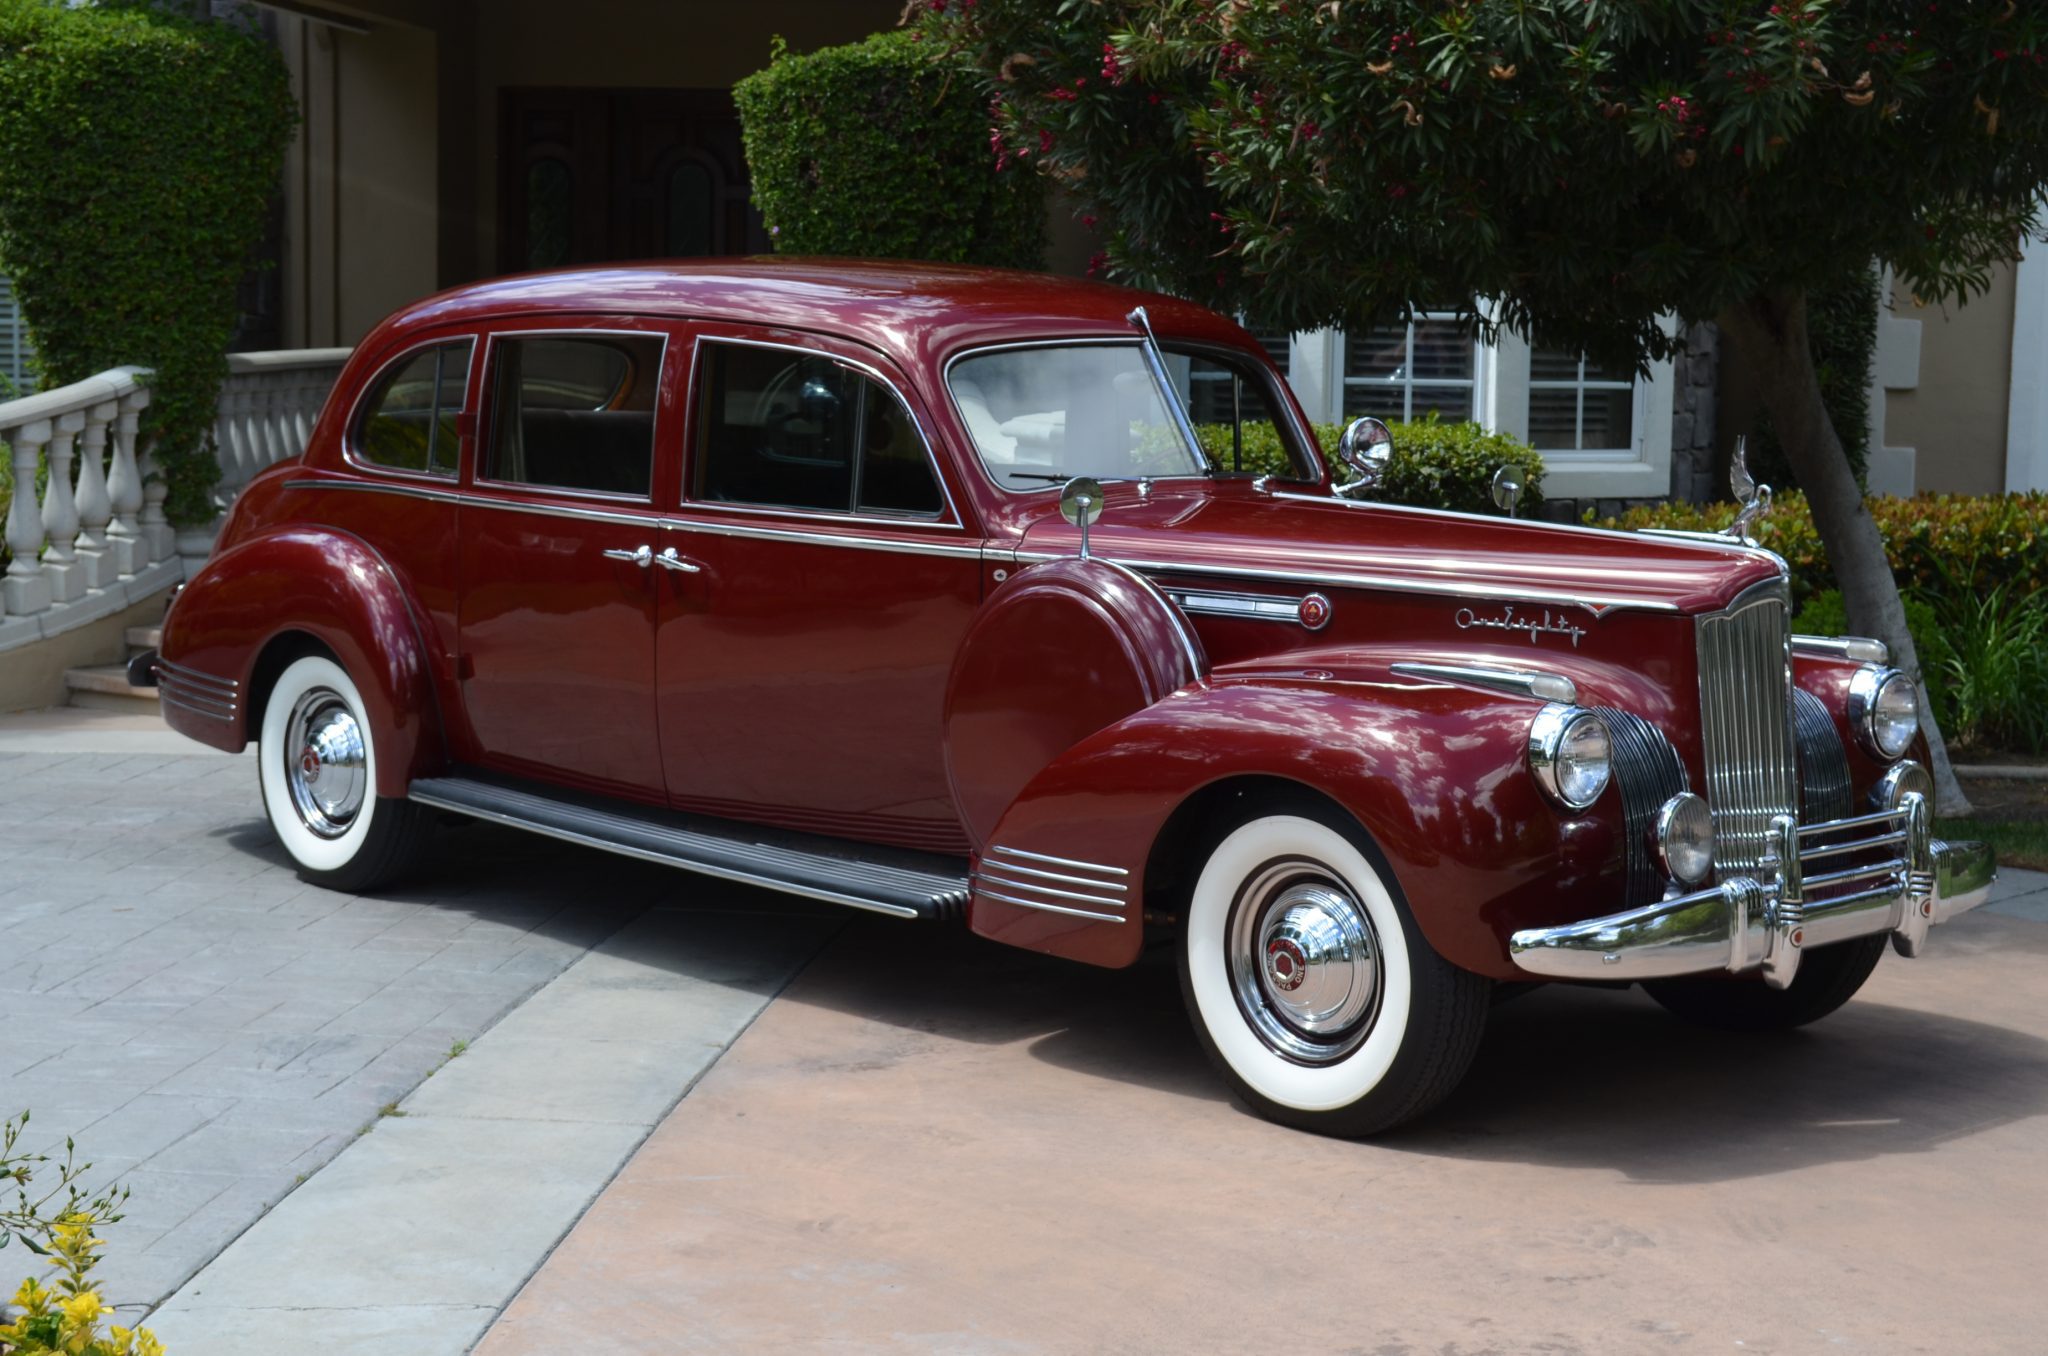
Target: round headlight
x,y
1684,839
1895,785
1884,711
1569,754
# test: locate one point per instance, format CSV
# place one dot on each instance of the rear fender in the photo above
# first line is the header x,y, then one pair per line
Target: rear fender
x,y
318,583
1436,774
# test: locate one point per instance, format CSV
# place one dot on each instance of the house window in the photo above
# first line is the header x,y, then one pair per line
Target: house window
x,y
15,352
1408,371
1577,405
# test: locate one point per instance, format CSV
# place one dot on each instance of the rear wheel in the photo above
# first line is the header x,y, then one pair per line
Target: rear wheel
x,y
1310,985
317,765
1828,977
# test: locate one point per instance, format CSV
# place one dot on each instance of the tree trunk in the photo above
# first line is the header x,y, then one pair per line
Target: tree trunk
x,y
1771,330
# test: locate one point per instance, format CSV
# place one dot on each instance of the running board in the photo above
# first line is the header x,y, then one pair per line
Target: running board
x,y
893,881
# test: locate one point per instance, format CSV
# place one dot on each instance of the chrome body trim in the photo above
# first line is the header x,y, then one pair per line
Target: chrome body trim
x,y
1072,862
901,545
1449,584
1745,679
1155,362
1861,649
1762,923
981,875
984,892
1117,886
195,676
1530,683
1254,606
198,706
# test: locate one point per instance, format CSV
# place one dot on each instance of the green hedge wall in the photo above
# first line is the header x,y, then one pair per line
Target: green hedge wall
x,y
138,153
873,150
1435,465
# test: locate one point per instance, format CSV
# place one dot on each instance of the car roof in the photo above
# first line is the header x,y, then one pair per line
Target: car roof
x,y
914,312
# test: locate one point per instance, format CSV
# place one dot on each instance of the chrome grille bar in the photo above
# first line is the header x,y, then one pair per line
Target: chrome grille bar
x,y
1745,660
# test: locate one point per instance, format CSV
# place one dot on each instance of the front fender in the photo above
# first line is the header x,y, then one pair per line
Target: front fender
x,y
325,584
1436,774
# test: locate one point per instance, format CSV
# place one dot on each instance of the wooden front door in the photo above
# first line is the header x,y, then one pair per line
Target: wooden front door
x,y
594,176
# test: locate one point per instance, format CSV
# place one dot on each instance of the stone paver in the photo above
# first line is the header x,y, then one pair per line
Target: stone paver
x,y
932,1144
209,1028
429,1224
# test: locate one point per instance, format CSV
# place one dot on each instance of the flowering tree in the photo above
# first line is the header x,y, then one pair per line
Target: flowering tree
x,y
1591,166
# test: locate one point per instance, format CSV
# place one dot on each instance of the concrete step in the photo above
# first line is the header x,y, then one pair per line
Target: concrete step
x,y
145,637
106,687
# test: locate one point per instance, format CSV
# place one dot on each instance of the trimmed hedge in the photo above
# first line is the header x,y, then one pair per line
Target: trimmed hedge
x,y
1435,465
1941,545
138,154
875,150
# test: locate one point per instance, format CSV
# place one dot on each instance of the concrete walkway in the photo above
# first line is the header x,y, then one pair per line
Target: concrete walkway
x,y
932,1144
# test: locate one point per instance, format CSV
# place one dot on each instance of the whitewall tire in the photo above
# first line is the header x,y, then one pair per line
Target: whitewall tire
x,y
1309,984
317,764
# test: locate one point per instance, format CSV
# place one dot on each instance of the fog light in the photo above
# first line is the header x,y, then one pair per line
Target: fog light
x,y
1884,711
1893,787
1684,839
1570,753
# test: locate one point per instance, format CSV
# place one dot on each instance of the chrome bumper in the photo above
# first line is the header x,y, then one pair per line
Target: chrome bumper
x,y
1901,880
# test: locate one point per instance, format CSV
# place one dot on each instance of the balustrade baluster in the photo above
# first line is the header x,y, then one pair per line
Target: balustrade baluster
x,y
24,588
95,505
60,513
131,547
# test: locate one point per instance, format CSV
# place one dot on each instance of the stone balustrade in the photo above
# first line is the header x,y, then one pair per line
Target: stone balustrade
x,y
98,542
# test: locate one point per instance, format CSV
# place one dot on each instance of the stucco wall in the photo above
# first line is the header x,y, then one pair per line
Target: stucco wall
x,y
1955,419
361,178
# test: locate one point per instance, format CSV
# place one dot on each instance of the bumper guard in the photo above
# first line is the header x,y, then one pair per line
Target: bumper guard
x,y
1803,897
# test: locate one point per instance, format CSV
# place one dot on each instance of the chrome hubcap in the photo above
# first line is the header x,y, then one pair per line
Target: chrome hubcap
x,y
325,764
1305,962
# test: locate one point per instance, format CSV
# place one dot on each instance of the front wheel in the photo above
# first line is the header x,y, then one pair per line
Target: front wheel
x,y
317,765
1310,985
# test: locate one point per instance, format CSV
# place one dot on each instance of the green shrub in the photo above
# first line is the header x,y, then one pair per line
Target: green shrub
x,y
872,149
1435,465
1993,675
1826,615
140,150
1941,546
64,1314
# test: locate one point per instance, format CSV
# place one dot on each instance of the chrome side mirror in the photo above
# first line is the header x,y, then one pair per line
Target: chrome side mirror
x,y
1366,447
1081,505
1755,499
1508,485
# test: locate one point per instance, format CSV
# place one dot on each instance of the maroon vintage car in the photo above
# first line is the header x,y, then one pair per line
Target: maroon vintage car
x,y
917,589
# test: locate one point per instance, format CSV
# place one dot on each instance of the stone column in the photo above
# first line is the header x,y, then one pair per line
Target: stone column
x,y
60,513
24,587
95,505
128,537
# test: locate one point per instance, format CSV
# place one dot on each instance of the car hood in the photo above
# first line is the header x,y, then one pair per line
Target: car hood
x,y
1230,530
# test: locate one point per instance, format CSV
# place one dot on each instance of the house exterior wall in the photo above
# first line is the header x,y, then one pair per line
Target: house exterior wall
x,y
1955,417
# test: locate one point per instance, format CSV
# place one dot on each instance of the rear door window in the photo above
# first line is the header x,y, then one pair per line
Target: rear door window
x,y
575,411
411,420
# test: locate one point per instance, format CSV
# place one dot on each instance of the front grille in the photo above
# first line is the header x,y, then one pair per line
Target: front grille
x,y
1649,772
1825,791
1745,722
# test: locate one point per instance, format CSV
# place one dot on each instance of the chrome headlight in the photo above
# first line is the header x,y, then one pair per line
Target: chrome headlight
x,y
1906,778
1683,838
1570,755
1884,711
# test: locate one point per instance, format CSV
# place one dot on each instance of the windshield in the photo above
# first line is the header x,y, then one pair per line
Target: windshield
x,y
1040,416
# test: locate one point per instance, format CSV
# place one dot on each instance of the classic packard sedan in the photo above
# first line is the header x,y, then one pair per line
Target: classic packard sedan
x,y
975,597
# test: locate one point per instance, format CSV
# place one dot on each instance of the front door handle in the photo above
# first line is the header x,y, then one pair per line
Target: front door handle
x,y
669,560
642,555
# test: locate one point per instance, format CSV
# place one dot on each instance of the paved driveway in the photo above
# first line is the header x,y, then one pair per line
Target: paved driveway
x,y
211,1029
931,1144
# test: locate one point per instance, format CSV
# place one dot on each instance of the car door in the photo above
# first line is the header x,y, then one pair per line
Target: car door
x,y
558,528
802,664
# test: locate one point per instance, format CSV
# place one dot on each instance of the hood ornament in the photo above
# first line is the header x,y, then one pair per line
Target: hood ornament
x,y
1755,499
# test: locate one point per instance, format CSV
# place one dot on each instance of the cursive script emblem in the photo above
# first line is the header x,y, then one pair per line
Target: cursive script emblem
x,y
1552,625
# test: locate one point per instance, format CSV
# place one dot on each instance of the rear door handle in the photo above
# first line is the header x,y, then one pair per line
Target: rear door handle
x,y
669,560
642,555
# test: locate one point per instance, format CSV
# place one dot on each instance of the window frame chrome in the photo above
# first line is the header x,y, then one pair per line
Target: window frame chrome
x,y
950,518
351,429
487,427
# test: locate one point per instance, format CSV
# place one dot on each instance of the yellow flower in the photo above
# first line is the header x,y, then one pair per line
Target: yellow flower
x,y
83,1309
32,1296
123,1340
146,1343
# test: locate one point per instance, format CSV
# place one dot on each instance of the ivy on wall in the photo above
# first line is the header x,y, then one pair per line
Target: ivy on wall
x,y
874,150
138,153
